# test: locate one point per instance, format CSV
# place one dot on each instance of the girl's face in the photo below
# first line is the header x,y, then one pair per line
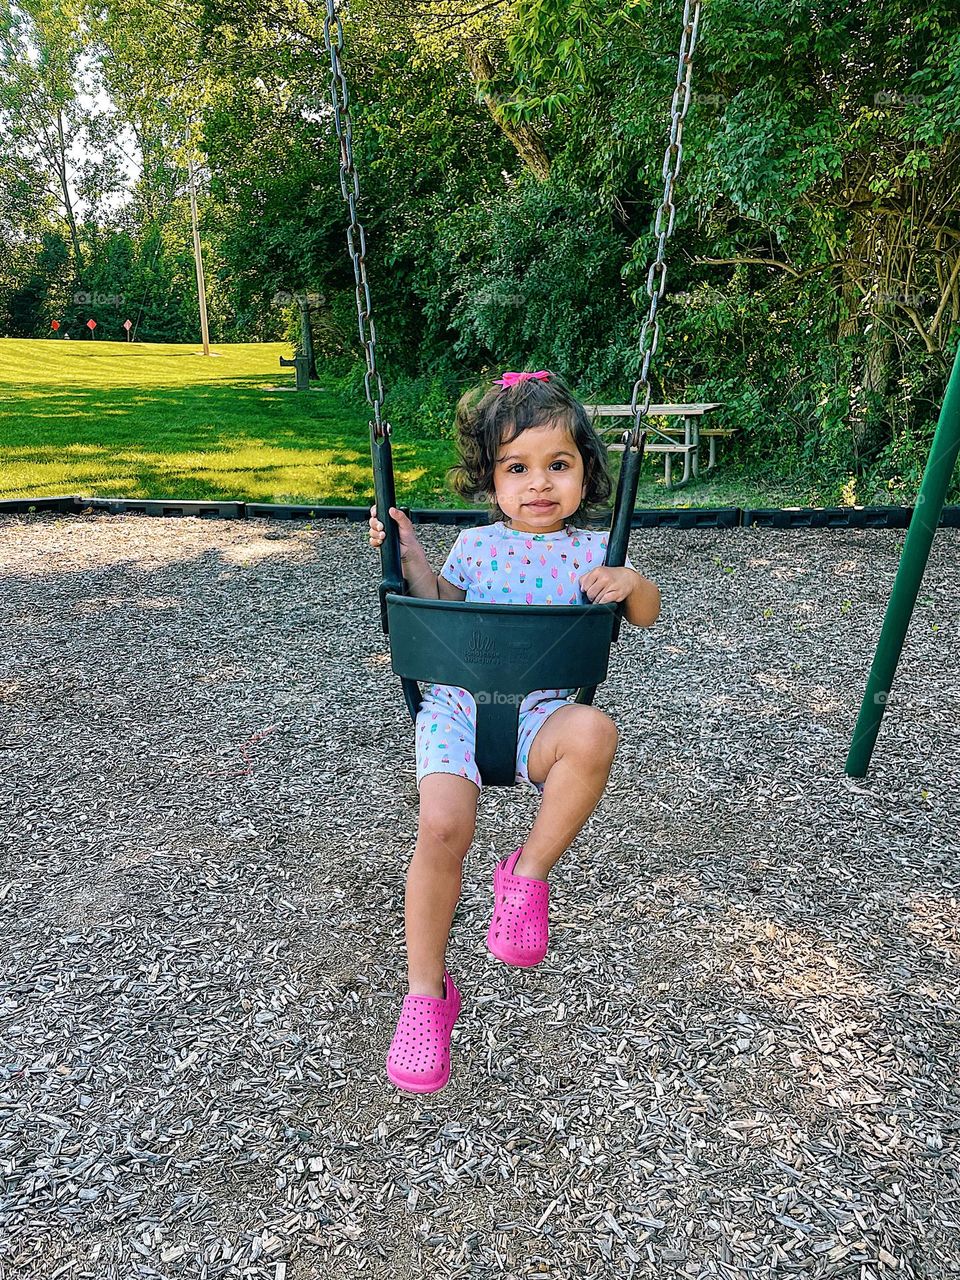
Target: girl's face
x,y
539,479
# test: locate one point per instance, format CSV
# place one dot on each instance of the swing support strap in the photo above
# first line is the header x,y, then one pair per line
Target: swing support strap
x,y
666,216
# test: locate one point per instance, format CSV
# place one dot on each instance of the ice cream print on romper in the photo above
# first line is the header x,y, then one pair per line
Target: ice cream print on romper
x,y
497,564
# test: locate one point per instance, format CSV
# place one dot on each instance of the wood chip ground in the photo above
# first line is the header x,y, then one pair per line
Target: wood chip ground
x,y
741,1058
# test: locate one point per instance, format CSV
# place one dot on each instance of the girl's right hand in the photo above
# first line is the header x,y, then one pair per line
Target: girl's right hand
x,y
409,543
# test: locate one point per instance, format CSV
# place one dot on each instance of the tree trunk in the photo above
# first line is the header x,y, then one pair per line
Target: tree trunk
x,y
872,427
870,368
523,137
61,165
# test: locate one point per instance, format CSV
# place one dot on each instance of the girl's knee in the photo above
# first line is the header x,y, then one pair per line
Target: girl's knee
x,y
441,830
594,735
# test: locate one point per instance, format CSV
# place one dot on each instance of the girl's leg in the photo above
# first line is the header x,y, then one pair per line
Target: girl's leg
x,y
448,816
571,755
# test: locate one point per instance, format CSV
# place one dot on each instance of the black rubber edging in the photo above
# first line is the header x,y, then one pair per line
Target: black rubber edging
x,y
655,518
159,507
30,506
685,518
668,517
828,518
841,518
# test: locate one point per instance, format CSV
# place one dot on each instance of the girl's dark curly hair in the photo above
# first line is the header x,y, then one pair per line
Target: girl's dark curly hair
x,y
488,418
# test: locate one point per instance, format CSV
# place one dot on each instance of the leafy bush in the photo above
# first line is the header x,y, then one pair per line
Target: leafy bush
x,y
417,408
530,278
422,408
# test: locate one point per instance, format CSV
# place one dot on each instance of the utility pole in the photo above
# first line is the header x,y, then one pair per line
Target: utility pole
x,y
201,287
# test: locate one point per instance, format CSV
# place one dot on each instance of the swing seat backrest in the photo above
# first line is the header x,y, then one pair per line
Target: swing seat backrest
x,y
499,653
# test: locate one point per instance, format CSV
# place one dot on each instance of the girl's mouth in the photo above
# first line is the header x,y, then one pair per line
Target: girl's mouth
x,y
541,506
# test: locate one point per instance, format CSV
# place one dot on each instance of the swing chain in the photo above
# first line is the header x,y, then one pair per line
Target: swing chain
x,y
657,275
356,240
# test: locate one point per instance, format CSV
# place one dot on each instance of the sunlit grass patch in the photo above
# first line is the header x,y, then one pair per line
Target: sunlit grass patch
x,y
159,421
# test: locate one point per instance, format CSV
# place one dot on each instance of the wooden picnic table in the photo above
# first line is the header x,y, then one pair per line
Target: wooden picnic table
x,y
674,440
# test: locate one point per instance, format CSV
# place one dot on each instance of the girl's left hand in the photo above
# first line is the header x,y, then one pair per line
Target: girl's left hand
x,y
608,586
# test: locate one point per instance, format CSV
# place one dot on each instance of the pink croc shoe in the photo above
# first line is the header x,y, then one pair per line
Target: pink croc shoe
x,y
518,930
419,1057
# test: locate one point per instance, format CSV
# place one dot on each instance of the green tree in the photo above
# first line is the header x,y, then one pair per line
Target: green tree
x,y
829,154
43,122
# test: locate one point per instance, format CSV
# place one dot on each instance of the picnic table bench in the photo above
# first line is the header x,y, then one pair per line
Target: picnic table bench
x,y
674,440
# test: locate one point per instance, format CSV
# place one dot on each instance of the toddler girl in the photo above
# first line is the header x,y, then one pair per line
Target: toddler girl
x,y
528,446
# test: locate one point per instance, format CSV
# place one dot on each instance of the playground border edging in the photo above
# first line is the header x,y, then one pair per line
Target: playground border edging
x,y
654,518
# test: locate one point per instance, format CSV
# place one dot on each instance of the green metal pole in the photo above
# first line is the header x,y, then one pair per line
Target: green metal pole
x,y
903,598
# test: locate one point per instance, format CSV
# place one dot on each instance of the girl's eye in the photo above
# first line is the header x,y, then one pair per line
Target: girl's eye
x,y
513,468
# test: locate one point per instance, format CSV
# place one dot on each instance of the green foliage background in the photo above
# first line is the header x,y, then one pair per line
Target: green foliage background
x,y
510,159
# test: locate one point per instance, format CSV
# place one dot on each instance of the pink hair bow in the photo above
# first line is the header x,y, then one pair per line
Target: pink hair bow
x,y
511,379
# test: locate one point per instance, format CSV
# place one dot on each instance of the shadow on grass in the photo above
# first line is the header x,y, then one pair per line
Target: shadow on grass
x,y
154,413
212,441
137,442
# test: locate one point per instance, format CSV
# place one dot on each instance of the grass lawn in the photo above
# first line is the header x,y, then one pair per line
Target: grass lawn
x,y
146,420
151,420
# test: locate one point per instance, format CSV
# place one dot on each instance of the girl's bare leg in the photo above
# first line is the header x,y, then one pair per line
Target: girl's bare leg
x,y
571,755
448,817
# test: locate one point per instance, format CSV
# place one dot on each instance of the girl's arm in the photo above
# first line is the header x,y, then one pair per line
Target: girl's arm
x,y
640,596
420,578
423,582
447,591
642,606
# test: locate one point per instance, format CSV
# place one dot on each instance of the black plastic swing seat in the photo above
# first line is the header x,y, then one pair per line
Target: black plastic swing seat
x,y
499,653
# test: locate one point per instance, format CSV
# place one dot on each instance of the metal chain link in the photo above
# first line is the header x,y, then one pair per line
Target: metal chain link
x,y
657,275
356,240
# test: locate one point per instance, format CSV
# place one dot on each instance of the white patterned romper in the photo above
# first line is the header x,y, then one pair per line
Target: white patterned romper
x,y
498,565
